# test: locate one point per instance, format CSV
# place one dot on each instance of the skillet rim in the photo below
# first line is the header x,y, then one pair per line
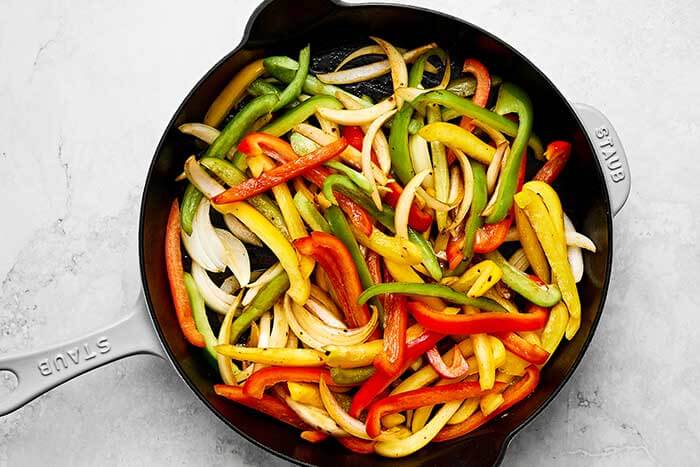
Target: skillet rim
x,y
504,437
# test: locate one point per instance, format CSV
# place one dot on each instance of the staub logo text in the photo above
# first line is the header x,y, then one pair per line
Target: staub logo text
x,y
74,356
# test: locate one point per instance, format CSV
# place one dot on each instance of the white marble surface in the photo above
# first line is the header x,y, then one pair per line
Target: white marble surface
x,y
85,91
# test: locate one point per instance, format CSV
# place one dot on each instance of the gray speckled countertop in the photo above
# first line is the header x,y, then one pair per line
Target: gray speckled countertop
x,y
86,89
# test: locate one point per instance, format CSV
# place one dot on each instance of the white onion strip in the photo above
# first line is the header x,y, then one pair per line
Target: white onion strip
x,y
264,339
468,184
367,154
196,251
403,206
420,158
201,179
280,327
226,367
358,116
577,239
329,335
373,70
324,314
315,417
574,253
240,231
370,50
214,297
494,167
201,131
236,257
397,64
456,186
320,296
296,327
204,231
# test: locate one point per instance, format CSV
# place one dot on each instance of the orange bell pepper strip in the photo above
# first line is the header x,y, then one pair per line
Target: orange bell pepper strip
x,y
256,384
511,396
557,155
267,404
523,349
313,436
487,322
176,278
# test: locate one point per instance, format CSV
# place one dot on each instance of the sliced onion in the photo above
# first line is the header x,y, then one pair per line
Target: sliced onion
x,y
409,94
230,285
574,253
201,131
236,257
379,143
519,260
420,158
196,251
250,294
322,297
490,206
373,70
324,314
362,51
457,369
280,327
397,64
203,230
296,327
267,276
264,339
201,179
358,116
403,206
214,297
494,167
227,369
328,126
367,155
425,198
456,186
317,418
240,231
329,335
468,183
577,239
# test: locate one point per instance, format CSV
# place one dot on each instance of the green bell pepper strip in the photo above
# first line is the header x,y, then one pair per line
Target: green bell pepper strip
x,y
465,107
512,99
430,261
299,114
546,296
190,201
440,168
301,144
260,87
342,184
428,290
479,200
341,229
310,214
415,76
199,313
466,86
356,177
232,176
398,145
263,301
293,89
351,376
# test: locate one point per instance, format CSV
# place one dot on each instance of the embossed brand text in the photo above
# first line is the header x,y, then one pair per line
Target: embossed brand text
x,y
73,356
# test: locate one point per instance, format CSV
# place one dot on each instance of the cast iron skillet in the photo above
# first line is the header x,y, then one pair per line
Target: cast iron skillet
x,y
594,187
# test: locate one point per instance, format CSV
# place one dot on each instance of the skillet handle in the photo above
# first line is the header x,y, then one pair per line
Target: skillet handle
x,y
610,153
40,371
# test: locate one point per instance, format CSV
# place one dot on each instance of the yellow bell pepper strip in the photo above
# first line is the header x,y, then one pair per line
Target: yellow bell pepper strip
x,y
454,136
440,168
273,356
396,249
199,313
429,259
514,365
400,273
233,92
467,108
293,89
553,205
282,124
353,356
467,408
176,279
351,376
430,290
555,328
299,285
531,246
490,402
310,214
542,295
478,279
484,360
541,221
306,393
498,350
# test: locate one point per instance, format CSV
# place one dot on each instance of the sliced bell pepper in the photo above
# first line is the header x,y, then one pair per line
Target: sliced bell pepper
x,y
543,295
398,145
335,259
313,436
393,248
429,259
484,360
551,200
233,92
429,290
483,87
357,445
457,369
555,328
310,214
260,87
354,136
293,89
511,396
392,357
454,136
306,393
282,124
269,405
262,379
337,183
381,380
523,349
486,322
478,279
531,246
281,174
417,218
176,279
419,398
547,234
352,376
353,356
441,168
278,356
374,265
557,154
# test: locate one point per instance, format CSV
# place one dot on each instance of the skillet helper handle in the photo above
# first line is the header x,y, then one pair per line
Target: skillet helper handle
x,y
610,153
40,371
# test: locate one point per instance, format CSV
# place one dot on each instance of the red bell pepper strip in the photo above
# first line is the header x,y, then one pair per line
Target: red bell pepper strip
x,y
454,251
421,397
457,369
176,278
557,154
355,136
256,384
417,218
374,264
313,436
360,446
281,174
381,380
486,322
335,259
491,236
392,358
267,404
359,218
511,396
523,349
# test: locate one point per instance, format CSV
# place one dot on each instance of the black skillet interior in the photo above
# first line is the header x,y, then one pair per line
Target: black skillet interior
x,y
282,27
